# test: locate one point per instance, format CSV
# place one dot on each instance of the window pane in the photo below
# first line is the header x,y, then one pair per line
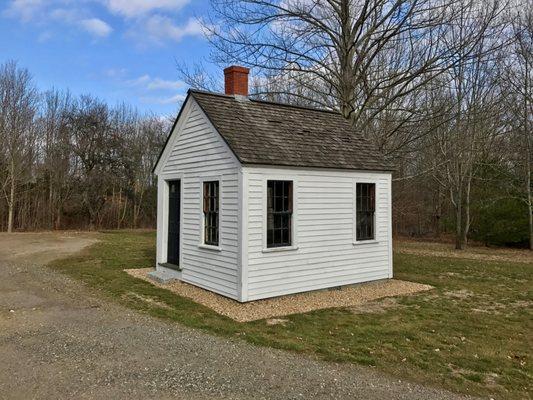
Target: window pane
x,y
277,236
365,211
285,236
211,207
279,211
278,203
270,220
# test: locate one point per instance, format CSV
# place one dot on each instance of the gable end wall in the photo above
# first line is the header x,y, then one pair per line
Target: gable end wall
x,y
198,153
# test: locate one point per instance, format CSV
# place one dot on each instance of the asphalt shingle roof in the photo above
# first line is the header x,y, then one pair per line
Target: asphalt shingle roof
x,y
260,132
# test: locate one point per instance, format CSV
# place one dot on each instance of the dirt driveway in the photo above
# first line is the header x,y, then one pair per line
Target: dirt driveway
x,y
60,340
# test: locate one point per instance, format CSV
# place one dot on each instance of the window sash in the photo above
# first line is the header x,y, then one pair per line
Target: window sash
x,y
365,211
211,200
279,213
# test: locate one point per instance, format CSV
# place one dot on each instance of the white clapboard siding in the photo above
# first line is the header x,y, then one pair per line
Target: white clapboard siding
x,y
325,254
199,152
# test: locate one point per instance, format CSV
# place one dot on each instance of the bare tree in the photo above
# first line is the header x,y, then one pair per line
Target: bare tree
x,y
63,159
18,101
94,147
517,77
364,56
196,76
55,153
474,128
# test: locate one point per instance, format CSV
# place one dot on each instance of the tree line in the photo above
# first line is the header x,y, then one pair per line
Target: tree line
x,y
444,87
71,162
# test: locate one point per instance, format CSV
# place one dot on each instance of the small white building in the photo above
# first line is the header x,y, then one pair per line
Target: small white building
x,y
259,199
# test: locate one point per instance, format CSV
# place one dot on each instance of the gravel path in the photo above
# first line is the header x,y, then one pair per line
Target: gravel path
x,y
58,340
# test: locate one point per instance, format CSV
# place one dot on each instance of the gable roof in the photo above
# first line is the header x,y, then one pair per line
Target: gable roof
x,y
261,132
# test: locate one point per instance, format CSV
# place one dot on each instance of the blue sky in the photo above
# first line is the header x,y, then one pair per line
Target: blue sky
x,y
118,50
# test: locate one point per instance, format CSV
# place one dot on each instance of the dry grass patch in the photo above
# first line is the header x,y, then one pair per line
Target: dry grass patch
x,y
349,296
147,300
473,252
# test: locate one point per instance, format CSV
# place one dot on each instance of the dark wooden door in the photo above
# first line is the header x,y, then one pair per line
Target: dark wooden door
x,y
173,244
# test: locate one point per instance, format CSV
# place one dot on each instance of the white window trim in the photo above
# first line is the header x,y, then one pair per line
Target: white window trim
x,y
356,242
165,179
294,219
202,244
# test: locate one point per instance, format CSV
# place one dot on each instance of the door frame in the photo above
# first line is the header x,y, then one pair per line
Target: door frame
x,y
162,226
172,260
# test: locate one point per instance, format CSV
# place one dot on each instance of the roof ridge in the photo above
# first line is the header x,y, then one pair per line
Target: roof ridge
x,y
191,90
276,103
296,106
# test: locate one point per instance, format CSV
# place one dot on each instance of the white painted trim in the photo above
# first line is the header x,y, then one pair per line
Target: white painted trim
x,y
162,229
278,249
294,219
210,247
376,199
243,235
210,178
363,242
391,271
161,249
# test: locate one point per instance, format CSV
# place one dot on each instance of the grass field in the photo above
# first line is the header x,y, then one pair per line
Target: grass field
x,y
472,334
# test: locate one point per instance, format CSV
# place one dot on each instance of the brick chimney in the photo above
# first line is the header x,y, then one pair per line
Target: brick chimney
x,y
236,80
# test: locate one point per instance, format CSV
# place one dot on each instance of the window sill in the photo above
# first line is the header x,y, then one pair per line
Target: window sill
x,y
209,247
359,242
277,249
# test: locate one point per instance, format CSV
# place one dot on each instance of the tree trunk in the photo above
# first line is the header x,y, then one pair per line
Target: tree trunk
x,y
528,157
530,209
119,206
50,202
459,221
11,204
466,228
438,213
58,218
346,61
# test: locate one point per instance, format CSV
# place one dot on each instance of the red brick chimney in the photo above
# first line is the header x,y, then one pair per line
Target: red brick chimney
x,y
236,80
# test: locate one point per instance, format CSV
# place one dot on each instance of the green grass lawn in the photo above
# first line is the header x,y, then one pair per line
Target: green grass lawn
x,y
472,334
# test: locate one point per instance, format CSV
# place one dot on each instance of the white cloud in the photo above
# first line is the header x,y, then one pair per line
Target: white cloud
x,y
44,37
115,73
160,28
96,27
147,21
66,15
135,8
149,83
24,9
50,12
164,100
162,84
140,81
157,90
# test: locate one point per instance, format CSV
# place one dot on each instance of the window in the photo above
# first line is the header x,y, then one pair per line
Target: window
x,y
279,213
365,207
211,209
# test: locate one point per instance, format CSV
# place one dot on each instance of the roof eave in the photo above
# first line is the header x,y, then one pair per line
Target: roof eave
x,y
265,164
